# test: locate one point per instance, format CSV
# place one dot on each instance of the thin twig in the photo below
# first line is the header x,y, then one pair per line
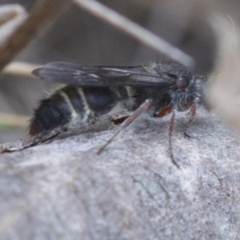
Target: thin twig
x,y
135,31
11,11
20,68
40,15
13,120
11,17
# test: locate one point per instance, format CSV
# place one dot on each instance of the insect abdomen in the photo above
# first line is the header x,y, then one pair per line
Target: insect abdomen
x,y
68,103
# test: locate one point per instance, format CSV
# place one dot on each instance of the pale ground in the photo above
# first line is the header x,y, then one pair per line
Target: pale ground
x,y
63,190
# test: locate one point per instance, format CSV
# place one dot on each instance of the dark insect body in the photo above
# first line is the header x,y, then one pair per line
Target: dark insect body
x,y
71,104
91,91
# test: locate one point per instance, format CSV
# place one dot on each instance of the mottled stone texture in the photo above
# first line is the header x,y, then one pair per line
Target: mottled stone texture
x,y
63,190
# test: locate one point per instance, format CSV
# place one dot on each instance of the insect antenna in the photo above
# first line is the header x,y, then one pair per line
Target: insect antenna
x,y
142,109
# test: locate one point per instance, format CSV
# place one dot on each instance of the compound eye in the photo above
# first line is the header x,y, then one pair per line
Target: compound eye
x,y
182,83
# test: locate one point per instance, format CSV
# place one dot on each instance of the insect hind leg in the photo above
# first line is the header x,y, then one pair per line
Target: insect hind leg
x,y
132,118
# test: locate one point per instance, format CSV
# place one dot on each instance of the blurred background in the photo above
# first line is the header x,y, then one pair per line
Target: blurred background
x,y
78,36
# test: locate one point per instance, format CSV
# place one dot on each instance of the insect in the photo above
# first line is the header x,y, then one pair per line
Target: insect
x,y
91,91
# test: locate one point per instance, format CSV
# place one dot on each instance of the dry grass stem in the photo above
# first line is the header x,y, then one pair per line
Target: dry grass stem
x,y
225,85
13,120
20,68
136,31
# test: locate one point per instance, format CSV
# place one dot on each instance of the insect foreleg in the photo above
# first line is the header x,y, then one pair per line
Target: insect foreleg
x,y
192,114
170,131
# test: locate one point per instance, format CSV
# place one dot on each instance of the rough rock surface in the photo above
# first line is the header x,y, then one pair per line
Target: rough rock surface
x,y
63,190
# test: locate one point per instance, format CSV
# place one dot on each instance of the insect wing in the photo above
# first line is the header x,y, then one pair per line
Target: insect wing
x,y
75,74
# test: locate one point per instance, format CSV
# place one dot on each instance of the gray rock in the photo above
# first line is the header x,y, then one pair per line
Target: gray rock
x,y
64,190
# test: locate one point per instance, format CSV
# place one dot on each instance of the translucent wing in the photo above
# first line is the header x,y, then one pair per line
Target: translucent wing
x,y
75,74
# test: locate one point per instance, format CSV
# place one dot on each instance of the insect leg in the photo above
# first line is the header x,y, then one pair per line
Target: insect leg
x,y
142,109
192,115
170,131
